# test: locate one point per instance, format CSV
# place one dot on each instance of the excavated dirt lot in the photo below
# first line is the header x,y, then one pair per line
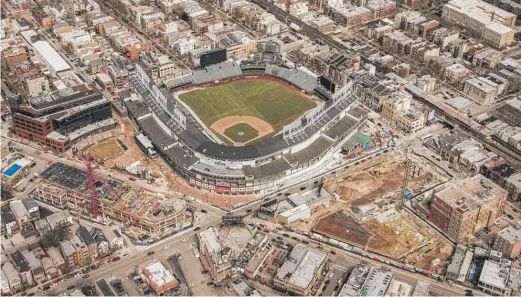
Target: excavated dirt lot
x,y
108,149
373,181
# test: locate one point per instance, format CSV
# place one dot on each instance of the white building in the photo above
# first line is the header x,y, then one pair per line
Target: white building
x,y
298,8
398,288
493,278
184,45
165,66
486,21
377,282
298,213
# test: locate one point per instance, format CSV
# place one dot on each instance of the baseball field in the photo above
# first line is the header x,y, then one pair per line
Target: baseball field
x,y
263,104
268,100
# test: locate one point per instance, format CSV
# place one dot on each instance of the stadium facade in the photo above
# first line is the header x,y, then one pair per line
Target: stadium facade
x,y
188,148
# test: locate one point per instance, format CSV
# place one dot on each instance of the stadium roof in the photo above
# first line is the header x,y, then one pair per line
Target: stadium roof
x,y
51,56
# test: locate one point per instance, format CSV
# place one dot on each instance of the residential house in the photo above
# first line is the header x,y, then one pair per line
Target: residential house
x,y
60,219
101,241
115,239
57,258
35,265
12,276
23,269
4,284
69,255
82,251
85,236
49,268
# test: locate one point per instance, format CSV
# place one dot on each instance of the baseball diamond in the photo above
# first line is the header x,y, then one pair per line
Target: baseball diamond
x,y
241,132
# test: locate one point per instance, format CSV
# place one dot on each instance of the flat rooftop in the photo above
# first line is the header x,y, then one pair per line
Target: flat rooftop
x,y
470,193
301,265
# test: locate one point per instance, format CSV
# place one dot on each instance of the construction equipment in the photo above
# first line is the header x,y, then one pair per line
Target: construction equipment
x,y
405,180
92,188
91,176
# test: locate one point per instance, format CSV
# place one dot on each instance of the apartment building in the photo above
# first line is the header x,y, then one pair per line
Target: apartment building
x,y
508,242
486,21
481,90
463,208
456,72
82,251
69,254
165,66
213,258
89,241
397,111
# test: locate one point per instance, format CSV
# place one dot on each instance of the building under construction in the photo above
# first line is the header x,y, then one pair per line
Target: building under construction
x,y
67,187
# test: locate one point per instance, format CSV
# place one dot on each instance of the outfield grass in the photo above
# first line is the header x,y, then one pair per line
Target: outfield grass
x,y
265,99
233,132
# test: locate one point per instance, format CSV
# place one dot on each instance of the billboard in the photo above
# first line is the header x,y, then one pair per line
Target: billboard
x,y
328,84
213,57
232,219
222,186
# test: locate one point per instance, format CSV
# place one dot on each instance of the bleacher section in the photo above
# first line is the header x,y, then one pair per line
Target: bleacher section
x,y
298,78
179,81
216,72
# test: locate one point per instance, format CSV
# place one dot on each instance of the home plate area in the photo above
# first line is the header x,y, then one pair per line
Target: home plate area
x,y
241,129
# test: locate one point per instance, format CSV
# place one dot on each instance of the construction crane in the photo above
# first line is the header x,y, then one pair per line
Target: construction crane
x,y
91,179
92,187
405,179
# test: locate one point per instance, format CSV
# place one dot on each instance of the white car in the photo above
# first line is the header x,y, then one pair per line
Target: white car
x,y
166,246
185,239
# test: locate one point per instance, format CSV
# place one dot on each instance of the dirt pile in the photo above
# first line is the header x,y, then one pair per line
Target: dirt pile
x,y
357,186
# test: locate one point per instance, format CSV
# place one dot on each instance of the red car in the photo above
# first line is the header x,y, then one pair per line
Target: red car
x,y
266,231
115,259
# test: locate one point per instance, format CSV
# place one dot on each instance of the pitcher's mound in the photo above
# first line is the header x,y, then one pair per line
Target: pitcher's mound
x,y
241,129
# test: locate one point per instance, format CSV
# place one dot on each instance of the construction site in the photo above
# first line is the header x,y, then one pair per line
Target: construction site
x,y
382,179
366,212
143,215
116,149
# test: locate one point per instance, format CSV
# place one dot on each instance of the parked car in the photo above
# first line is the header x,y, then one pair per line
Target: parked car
x,y
70,287
197,229
333,252
203,211
115,259
285,235
509,216
150,253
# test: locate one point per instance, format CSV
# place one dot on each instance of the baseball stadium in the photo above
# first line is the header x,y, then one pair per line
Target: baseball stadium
x,y
237,128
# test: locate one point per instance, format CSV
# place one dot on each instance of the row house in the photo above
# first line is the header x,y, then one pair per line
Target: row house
x,y
23,268
50,270
13,278
55,255
35,265
89,241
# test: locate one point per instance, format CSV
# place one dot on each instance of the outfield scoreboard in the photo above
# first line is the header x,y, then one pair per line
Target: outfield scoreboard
x,y
212,57
328,84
